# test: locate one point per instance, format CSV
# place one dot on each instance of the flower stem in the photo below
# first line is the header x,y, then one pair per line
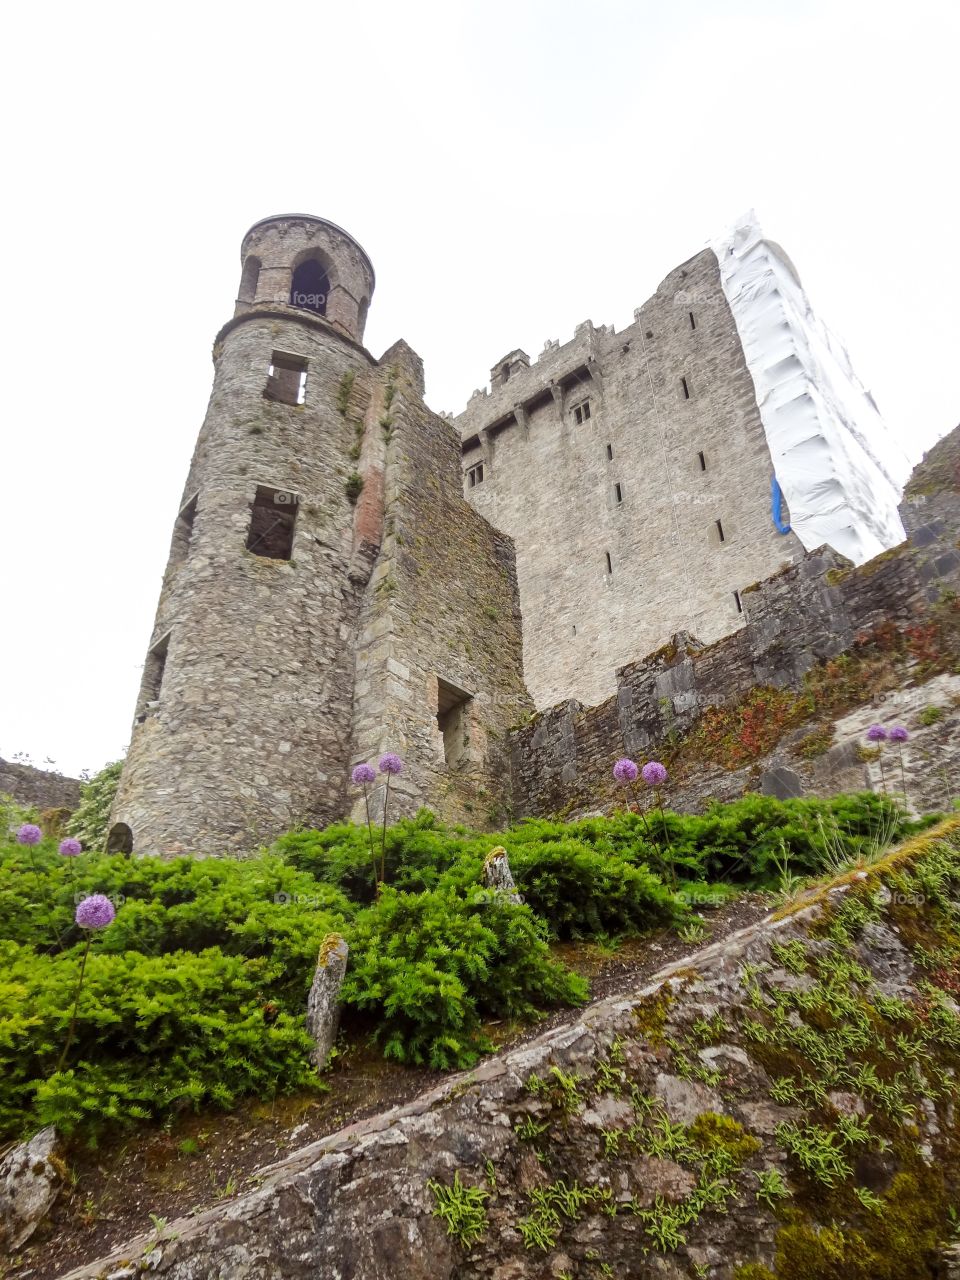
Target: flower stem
x,y
883,779
636,800
903,776
383,841
373,854
76,1004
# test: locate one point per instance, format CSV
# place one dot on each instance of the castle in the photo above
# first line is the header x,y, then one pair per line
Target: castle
x,y
351,573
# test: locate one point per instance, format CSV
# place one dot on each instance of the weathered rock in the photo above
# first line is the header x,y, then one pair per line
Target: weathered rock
x,y
685,1099
323,1000
651,1177
29,1184
498,876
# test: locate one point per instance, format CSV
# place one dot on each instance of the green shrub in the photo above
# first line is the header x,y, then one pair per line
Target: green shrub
x,y
154,1034
429,966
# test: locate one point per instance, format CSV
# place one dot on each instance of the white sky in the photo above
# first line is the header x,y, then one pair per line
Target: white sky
x,y
512,169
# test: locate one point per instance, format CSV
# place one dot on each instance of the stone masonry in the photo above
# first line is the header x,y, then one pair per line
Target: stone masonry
x,y
281,652
615,516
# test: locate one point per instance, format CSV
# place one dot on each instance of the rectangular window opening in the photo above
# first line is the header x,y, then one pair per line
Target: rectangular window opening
x,y
286,379
581,412
183,531
738,602
719,527
609,452
702,460
685,389
618,493
273,515
453,720
475,476
609,562
153,670
693,323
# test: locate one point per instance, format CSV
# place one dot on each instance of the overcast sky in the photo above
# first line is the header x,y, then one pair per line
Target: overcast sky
x,y
512,169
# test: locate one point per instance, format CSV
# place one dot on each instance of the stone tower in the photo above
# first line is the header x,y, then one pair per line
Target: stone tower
x,y
294,634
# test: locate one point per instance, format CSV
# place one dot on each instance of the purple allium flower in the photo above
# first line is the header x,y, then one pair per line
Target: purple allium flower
x,y
390,763
70,847
654,774
363,774
898,734
625,771
95,912
877,733
29,833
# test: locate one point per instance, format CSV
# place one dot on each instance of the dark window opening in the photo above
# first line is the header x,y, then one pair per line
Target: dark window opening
x,y
153,670
248,279
581,412
273,515
453,719
702,460
738,602
310,287
475,475
618,493
504,374
719,530
120,839
685,389
609,452
693,323
609,562
574,628
286,379
183,532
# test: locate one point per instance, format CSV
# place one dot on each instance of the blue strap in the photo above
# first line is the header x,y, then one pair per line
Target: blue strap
x,y
776,506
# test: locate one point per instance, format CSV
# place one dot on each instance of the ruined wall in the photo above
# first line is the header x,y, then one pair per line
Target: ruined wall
x,y
806,615
440,619
672,386
38,787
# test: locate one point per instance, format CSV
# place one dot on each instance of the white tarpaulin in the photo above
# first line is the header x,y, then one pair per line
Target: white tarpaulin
x,y
840,468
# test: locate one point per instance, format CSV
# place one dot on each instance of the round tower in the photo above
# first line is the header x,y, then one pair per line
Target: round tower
x,y
242,724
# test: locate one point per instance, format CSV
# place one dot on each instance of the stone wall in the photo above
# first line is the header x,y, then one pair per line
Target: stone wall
x,y
440,628
40,788
808,614
584,1143
674,422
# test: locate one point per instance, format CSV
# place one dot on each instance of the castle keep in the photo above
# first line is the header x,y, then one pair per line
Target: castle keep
x,y
348,570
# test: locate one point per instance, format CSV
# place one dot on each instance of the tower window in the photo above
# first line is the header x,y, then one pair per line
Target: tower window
x,y
310,287
286,379
475,476
618,493
702,460
153,670
684,388
609,452
453,720
719,528
183,532
272,519
738,602
504,373
609,562
693,323
581,412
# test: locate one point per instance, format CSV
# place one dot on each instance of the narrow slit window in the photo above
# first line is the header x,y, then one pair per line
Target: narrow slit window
x,y
609,562
684,388
719,528
183,532
286,379
618,493
693,323
702,460
475,476
738,602
153,672
574,628
609,452
272,519
581,412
